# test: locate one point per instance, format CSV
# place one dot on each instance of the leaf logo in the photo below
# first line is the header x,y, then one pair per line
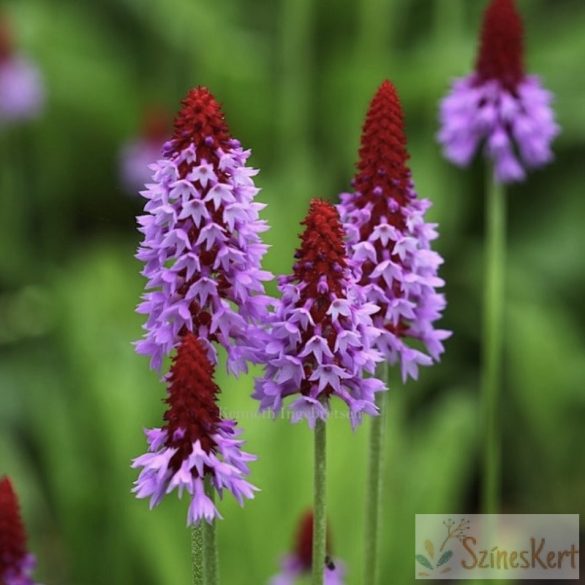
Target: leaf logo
x,y
444,558
454,531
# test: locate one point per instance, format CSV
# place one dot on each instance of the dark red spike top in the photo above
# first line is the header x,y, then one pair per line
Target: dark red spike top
x,y
322,253
193,413
12,534
383,174
6,42
501,50
201,122
304,542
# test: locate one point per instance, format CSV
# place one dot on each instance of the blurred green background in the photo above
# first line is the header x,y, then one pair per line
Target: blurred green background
x,y
295,78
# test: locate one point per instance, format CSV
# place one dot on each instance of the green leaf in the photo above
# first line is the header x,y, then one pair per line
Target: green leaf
x,y
424,561
445,557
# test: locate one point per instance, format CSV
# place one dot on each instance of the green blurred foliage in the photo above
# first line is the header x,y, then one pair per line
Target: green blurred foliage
x,y
295,78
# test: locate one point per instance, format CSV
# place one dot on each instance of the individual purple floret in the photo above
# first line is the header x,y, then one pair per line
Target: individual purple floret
x,y
195,444
390,242
201,249
498,107
22,94
321,337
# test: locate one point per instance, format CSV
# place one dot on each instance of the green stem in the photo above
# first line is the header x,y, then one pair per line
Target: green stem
x,y
197,554
493,341
210,545
374,488
319,507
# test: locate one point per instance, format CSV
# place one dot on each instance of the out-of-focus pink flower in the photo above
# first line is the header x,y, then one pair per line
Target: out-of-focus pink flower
x,y
139,153
22,94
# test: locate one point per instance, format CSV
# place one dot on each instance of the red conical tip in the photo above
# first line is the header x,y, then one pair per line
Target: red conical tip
x,y
192,413
12,534
500,53
321,254
382,168
200,122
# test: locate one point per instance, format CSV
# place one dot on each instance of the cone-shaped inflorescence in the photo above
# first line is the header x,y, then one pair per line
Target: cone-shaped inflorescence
x,y
498,107
21,89
500,54
298,564
389,241
16,564
321,336
195,443
201,247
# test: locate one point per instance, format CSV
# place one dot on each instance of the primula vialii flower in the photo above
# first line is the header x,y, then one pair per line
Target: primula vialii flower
x,y
137,155
16,564
201,247
389,241
195,444
21,90
499,107
321,335
298,564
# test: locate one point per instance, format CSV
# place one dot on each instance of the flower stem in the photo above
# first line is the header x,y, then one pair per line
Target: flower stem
x,y
374,488
197,554
319,507
210,544
493,341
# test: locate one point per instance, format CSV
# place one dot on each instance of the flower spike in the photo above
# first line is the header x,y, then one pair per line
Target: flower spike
x,y
195,441
499,107
16,564
321,336
22,94
389,240
299,563
201,247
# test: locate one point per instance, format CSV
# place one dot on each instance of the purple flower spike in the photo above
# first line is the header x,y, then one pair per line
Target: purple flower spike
x,y
201,247
390,242
195,443
499,108
22,94
298,564
16,564
321,337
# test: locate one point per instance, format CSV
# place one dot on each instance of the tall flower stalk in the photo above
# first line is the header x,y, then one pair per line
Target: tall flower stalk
x,y
202,257
492,349
507,113
320,345
319,503
391,256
